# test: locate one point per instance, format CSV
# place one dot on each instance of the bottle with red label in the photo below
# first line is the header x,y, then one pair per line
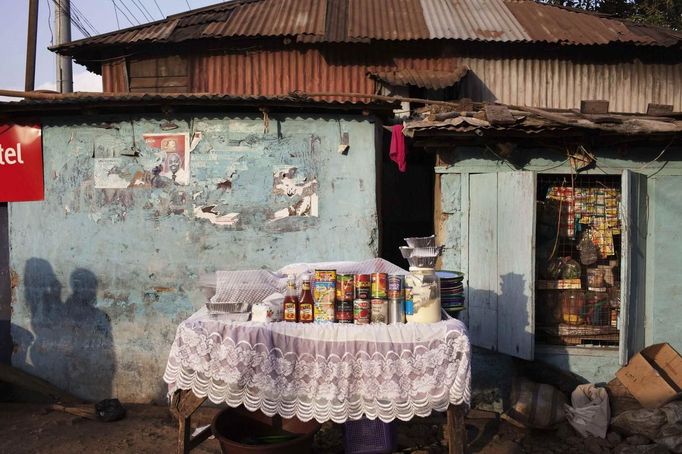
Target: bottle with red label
x,y
291,303
306,305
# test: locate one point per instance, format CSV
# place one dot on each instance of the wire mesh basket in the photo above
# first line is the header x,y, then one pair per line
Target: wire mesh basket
x,y
369,436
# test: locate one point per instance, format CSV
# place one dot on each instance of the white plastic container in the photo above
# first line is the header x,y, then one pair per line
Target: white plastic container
x,y
425,285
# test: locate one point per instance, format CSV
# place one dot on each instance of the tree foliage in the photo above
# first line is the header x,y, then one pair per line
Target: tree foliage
x,y
664,13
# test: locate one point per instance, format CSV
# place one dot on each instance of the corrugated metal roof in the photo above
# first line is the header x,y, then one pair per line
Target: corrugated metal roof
x,y
421,78
364,20
487,20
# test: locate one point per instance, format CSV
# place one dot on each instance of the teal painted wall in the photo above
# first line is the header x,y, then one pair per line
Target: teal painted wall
x,y
104,276
663,303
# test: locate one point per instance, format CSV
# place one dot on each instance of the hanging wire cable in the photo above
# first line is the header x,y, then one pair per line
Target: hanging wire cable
x,y
140,6
84,18
118,25
125,5
188,5
157,5
49,22
122,12
75,20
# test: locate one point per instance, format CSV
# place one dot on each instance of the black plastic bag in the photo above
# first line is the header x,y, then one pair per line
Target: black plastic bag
x,y
109,410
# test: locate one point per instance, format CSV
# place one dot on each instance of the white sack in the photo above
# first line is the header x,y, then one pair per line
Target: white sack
x,y
590,413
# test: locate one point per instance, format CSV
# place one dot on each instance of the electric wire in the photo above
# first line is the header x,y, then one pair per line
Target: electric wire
x,y
118,25
49,22
157,5
125,5
188,5
122,12
84,18
140,6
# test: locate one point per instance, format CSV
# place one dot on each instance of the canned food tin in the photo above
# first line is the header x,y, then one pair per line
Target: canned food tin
x,y
379,285
344,312
409,304
344,287
362,284
379,310
361,310
396,286
396,311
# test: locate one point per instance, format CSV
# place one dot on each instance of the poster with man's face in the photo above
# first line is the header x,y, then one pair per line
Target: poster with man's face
x,y
174,150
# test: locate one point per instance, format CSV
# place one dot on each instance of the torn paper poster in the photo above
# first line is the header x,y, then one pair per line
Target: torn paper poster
x,y
209,213
301,193
110,173
174,152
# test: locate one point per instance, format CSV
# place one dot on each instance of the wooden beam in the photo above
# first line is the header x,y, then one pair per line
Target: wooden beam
x,y
456,431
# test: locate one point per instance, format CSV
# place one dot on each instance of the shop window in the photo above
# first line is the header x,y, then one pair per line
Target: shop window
x,y
530,281
578,252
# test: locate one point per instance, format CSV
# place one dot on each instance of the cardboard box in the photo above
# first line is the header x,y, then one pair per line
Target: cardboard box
x,y
654,375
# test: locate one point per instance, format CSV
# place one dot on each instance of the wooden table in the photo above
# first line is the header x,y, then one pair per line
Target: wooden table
x,y
184,403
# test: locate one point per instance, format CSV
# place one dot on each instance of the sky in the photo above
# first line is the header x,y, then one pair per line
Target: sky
x,y
101,14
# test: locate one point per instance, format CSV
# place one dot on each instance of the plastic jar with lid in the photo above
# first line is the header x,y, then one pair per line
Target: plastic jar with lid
x,y
425,307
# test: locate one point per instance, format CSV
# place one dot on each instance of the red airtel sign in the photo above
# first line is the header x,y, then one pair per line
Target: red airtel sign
x,y
21,163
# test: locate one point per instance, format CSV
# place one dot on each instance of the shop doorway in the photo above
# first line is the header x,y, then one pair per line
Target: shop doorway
x,y
405,200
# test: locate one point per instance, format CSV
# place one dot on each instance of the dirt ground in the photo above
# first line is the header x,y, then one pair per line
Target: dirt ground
x,y
33,428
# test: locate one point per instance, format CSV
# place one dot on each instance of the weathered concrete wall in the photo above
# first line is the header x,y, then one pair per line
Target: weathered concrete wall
x,y
664,243
104,276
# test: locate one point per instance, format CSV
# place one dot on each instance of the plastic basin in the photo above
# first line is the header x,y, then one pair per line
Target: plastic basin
x,y
240,431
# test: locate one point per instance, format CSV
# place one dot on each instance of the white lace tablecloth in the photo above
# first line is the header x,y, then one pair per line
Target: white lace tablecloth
x,y
327,372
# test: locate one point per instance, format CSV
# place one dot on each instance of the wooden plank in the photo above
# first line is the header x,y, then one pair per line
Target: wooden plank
x,y
17,377
594,106
174,65
516,263
154,82
143,68
633,263
438,216
456,430
659,109
483,274
464,251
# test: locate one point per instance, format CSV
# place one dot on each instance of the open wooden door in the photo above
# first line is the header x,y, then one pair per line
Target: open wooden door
x,y
501,262
633,265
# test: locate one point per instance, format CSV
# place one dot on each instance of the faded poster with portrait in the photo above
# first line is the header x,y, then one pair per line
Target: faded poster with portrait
x,y
174,151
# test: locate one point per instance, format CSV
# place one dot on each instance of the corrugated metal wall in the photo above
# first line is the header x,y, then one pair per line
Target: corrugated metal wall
x,y
563,84
277,72
115,76
552,83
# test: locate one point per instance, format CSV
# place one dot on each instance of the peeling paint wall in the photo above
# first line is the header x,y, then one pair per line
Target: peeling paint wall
x,y
106,275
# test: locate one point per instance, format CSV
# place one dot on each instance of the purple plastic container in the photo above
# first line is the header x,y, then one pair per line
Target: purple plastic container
x,y
369,436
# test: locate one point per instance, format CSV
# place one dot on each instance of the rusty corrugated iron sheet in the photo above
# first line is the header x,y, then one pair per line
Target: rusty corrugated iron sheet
x,y
272,18
270,72
392,20
486,20
423,78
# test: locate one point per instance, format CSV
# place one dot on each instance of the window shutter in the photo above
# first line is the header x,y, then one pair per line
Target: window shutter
x,y
501,262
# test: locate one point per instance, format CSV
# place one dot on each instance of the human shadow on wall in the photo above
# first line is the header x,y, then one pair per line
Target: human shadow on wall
x,y
72,344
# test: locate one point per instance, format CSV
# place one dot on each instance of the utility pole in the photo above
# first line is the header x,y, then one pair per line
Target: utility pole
x,y
29,83
62,24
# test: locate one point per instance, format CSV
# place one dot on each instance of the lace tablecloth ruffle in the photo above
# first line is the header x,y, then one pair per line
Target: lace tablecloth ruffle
x,y
327,372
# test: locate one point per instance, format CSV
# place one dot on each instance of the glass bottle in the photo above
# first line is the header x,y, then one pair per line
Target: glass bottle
x,y
306,304
291,304
425,306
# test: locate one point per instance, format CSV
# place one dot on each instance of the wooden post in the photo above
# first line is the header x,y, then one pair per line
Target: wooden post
x,y
455,431
183,404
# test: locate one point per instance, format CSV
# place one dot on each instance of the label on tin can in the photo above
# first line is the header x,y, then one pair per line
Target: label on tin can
x,y
344,312
362,284
396,285
379,310
361,310
324,295
379,285
344,287
409,307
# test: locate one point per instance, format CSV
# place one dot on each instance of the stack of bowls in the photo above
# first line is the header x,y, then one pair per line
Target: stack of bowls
x,y
451,291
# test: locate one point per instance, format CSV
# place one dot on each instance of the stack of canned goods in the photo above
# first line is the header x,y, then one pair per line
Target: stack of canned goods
x,y
359,298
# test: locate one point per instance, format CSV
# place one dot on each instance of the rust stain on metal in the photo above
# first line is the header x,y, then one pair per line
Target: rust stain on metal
x,y
163,289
